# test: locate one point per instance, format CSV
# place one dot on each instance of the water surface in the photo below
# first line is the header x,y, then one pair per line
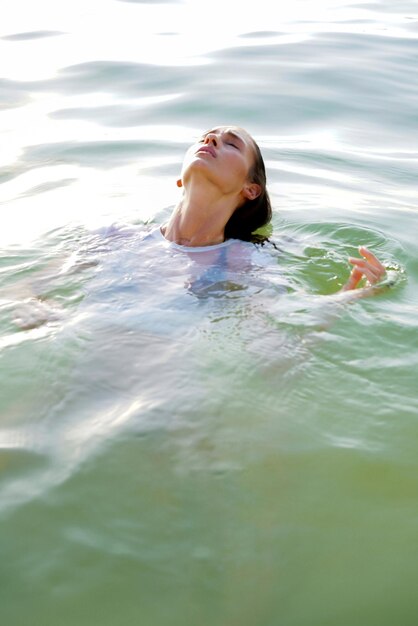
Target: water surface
x,y
236,451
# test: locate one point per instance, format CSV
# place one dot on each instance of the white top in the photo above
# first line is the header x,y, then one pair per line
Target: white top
x,y
157,234
143,281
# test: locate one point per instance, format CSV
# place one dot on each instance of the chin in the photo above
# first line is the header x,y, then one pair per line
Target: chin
x,y
197,164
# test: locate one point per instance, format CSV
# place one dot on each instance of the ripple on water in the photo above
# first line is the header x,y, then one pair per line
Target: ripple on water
x,y
34,34
401,7
105,154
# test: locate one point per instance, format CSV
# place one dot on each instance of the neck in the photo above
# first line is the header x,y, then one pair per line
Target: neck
x,y
200,217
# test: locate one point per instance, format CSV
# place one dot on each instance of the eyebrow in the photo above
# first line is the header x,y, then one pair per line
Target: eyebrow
x,y
230,132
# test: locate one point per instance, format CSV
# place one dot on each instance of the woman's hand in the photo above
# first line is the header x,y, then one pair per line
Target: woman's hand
x,y
368,267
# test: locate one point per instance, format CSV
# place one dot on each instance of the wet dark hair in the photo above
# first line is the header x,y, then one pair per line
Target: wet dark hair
x,y
253,214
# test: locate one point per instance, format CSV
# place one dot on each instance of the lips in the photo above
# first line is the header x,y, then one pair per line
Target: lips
x,y
208,149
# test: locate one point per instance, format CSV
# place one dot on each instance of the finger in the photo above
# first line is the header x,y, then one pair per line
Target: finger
x,y
354,279
377,267
372,274
369,272
371,258
378,270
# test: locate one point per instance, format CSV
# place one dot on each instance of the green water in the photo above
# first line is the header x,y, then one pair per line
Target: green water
x,y
248,459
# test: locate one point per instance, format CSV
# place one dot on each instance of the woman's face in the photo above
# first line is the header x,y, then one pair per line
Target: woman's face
x,y
224,156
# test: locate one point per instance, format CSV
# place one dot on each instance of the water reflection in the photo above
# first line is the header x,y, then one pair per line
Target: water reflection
x,y
36,34
261,34
219,473
106,154
152,1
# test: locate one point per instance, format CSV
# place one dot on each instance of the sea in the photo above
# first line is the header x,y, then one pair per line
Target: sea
x,y
181,443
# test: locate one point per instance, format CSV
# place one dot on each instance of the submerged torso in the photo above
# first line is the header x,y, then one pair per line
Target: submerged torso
x,y
142,279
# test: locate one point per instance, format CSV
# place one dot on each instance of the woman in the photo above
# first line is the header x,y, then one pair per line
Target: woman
x,y
224,201
225,197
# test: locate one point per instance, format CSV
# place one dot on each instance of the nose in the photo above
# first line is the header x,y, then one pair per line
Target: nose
x,y
211,138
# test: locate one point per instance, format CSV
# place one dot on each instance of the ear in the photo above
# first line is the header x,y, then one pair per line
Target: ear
x,y
251,191
179,183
